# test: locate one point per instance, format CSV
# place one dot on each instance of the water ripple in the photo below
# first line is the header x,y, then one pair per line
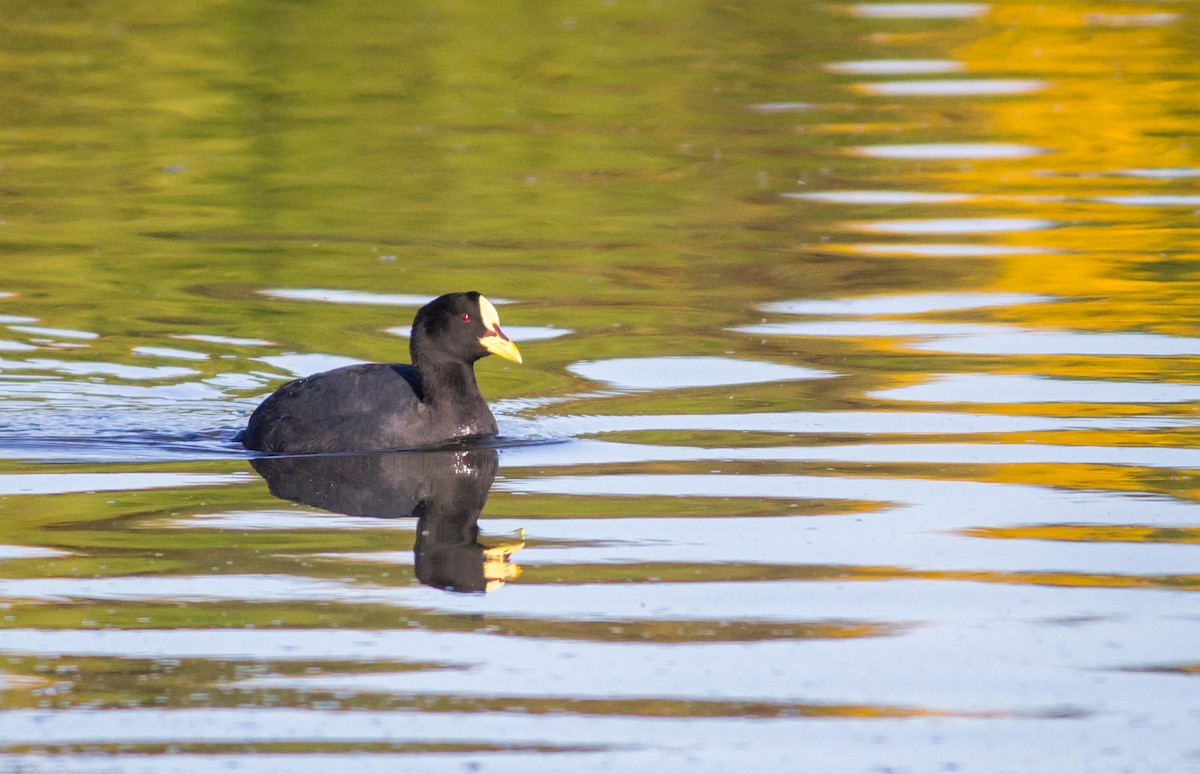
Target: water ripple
x,y
952,225
977,87
904,304
1012,389
896,66
920,10
668,373
950,150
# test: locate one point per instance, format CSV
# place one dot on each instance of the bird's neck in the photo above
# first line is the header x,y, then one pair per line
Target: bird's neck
x,y
448,383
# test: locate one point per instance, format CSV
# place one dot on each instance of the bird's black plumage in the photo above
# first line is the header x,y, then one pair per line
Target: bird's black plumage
x,y
378,406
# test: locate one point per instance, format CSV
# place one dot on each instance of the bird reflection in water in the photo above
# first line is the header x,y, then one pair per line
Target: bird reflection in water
x,y
444,489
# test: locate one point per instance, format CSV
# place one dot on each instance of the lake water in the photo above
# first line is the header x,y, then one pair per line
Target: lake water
x,y
856,430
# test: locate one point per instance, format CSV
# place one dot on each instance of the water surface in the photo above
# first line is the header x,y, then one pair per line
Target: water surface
x,y
856,429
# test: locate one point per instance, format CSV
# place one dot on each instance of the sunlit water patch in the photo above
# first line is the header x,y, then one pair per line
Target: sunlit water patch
x,y
997,388
234,341
55,332
265,519
98,411
662,744
971,338
950,150
657,672
1009,341
877,197
170,353
918,525
976,87
306,363
94,368
851,423
1162,173
952,225
28,552
58,393
903,304
668,373
896,66
944,250
600,453
781,107
61,483
331,296
861,329
1129,19
920,10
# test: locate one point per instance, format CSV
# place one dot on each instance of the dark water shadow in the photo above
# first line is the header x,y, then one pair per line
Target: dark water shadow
x,y
445,490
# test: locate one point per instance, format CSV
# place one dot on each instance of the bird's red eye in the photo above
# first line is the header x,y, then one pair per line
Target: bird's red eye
x,y
466,317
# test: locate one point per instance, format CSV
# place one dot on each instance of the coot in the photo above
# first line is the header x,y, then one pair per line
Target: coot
x,y
378,406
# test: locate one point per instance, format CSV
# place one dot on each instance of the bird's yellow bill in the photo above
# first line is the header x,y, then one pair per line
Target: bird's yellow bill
x,y
497,569
498,344
494,340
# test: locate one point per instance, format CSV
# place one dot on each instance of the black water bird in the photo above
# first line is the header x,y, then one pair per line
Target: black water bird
x,y
381,407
